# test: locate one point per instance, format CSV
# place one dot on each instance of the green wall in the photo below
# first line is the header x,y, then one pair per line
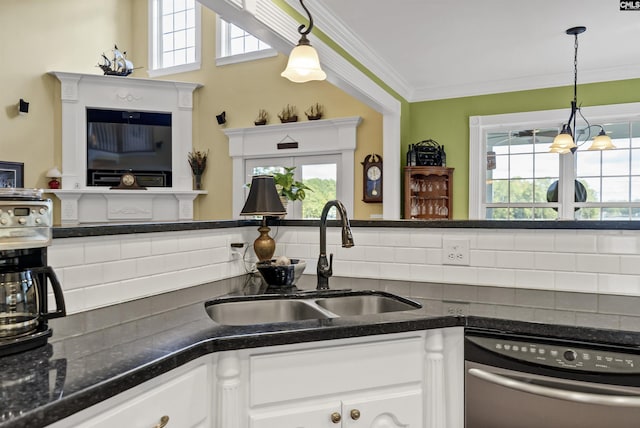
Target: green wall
x,y
447,121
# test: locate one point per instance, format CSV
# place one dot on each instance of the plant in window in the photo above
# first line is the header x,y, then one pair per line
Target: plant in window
x,y
263,117
288,114
288,187
315,112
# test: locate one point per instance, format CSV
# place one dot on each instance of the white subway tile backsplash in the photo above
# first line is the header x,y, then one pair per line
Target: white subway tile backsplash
x,y
496,277
82,276
533,240
576,281
136,246
410,255
379,254
598,263
65,252
619,284
535,279
97,271
460,274
426,273
395,271
555,261
102,250
429,238
117,271
630,265
618,244
515,259
482,258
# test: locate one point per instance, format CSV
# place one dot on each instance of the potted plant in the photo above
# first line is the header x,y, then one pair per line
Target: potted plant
x,y
288,114
288,188
198,163
315,112
263,117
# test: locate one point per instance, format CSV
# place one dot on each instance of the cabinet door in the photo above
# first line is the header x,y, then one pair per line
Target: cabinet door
x,y
316,415
386,410
183,399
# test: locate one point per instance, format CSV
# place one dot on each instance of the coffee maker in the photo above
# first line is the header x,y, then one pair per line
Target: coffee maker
x,y
25,233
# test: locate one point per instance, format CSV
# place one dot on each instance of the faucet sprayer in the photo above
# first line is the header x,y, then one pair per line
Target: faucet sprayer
x,y
325,268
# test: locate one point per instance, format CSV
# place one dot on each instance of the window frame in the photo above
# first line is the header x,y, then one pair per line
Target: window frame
x,y
294,209
479,126
155,42
222,59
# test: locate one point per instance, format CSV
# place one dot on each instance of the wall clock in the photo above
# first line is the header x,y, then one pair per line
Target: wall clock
x,y
372,178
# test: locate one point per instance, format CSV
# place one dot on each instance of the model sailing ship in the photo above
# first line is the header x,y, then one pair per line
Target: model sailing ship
x,y
118,66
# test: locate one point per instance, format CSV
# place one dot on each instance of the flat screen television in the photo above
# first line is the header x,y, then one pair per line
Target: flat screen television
x,y
119,141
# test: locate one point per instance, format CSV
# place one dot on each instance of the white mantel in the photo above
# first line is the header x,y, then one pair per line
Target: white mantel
x,y
84,204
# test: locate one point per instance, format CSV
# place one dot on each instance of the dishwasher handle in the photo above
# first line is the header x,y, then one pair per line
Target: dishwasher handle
x,y
545,391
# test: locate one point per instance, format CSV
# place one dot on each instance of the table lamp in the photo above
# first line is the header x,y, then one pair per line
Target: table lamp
x,y
263,200
54,175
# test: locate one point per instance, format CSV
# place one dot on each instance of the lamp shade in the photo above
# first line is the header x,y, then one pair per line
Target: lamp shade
x,y
54,173
303,65
263,198
602,142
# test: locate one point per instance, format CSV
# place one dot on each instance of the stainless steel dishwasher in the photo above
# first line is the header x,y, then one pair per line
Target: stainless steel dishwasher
x,y
514,381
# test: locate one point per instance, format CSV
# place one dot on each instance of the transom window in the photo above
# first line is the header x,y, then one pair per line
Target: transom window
x,y
237,45
518,179
175,36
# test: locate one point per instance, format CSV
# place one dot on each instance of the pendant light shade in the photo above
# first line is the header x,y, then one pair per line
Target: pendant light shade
x,y
602,142
304,64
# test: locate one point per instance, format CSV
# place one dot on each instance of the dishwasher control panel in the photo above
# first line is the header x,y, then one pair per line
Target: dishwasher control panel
x,y
561,355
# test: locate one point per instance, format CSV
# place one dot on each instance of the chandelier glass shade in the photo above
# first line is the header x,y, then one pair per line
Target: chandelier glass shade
x,y
304,64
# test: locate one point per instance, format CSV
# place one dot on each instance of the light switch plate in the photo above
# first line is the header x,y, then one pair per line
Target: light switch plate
x,y
455,252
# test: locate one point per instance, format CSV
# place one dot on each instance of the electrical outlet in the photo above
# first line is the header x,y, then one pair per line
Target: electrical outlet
x,y
455,252
458,309
236,251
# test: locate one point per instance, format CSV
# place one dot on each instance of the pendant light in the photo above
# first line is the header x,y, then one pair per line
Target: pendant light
x,y
304,64
564,141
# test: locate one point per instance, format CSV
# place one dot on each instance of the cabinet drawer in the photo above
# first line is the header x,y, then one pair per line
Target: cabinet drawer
x,y
330,370
182,398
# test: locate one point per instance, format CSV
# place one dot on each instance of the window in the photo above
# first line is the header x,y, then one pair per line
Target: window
x,y
175,36
513,177
319,173
236,45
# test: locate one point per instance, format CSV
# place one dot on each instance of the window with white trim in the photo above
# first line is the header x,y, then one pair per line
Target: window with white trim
x,y
237,45
513,177
174,36
319,173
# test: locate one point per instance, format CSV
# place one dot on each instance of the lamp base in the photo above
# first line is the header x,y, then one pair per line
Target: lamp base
x,y
264,245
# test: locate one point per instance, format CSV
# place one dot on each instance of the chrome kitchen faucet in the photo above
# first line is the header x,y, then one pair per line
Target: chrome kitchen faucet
x,y
325,269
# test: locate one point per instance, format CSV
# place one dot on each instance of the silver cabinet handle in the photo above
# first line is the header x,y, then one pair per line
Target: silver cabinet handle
x,y
545,391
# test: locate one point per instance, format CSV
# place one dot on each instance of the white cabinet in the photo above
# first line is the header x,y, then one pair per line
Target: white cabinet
x,y
177,399
386,409
385,381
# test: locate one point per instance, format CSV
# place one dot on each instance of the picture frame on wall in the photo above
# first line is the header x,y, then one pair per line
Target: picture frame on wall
x,y
11,174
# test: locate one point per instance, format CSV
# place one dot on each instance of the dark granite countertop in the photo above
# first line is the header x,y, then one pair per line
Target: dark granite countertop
x,y
97,354
126,228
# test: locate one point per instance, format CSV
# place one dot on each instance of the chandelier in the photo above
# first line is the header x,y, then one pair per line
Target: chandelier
x,y
564,142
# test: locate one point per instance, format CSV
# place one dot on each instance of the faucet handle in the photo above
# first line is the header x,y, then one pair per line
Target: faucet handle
x,y
330,271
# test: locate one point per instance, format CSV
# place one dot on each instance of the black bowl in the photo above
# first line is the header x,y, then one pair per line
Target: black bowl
x,y
282,276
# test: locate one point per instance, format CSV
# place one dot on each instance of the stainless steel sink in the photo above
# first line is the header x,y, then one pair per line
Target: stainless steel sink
x,y
366,304
247,312
263,309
